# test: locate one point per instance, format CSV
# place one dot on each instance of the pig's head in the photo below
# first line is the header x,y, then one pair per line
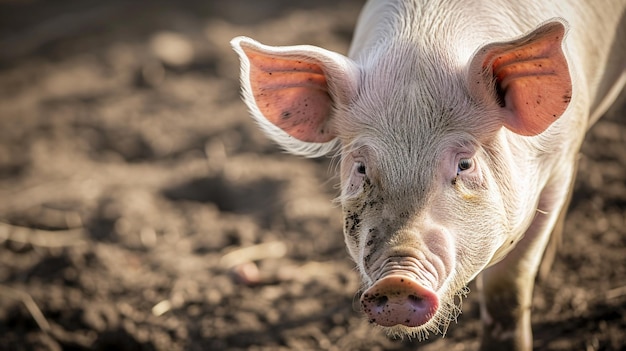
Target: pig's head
x,y
431,188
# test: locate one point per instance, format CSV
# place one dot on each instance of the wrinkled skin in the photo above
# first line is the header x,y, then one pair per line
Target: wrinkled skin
x,y
417,224
427,218
457,126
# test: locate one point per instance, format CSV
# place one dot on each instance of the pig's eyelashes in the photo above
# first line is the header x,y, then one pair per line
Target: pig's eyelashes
x,y
464,165
355,181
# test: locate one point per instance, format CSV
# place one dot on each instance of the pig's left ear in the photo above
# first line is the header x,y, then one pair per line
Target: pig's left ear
x,y
293,92
528,76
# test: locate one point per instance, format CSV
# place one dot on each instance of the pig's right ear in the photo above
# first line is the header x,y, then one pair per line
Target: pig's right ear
x,y
293,92
528,76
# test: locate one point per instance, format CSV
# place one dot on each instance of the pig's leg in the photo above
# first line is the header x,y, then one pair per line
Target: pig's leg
x,y
507,287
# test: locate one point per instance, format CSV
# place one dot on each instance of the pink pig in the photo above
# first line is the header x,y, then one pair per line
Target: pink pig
x,y
458,125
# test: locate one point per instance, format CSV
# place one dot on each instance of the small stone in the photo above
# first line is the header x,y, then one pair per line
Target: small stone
x,y
172,48
246,273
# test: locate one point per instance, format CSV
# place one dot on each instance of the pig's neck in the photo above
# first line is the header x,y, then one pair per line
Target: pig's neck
x,y
550,156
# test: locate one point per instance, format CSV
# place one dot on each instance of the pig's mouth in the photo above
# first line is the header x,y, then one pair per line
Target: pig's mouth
x,y
404,298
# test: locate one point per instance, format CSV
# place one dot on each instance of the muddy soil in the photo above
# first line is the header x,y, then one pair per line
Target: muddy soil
x,y
141,209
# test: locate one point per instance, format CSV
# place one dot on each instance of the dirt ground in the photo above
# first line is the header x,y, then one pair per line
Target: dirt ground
x,y
141,209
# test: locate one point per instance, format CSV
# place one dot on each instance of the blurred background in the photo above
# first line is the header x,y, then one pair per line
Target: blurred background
x,y
141,209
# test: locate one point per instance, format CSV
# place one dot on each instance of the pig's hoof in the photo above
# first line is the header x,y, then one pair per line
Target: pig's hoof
x,y
397,299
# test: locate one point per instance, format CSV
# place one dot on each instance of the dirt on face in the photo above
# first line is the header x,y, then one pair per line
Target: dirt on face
x,y
142,209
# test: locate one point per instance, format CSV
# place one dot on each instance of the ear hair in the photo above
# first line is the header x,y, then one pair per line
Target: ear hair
x,y
293,92
529,78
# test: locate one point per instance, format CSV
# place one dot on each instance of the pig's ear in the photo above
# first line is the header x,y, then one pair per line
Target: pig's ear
x,y
293,92
528,76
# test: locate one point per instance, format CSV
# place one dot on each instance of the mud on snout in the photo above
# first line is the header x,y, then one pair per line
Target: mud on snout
x,y
405,302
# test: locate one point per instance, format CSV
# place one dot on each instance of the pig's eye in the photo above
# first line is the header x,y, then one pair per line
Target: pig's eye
x,y
360,168
355,179
464,165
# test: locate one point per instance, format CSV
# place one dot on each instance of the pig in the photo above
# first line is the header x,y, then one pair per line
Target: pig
x,y
457,126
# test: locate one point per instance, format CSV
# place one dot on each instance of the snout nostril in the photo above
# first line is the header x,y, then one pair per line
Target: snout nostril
x,y
375,300
381,301
416,299
396,299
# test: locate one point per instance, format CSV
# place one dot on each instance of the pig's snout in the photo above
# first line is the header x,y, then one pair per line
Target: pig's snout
x,y
398,299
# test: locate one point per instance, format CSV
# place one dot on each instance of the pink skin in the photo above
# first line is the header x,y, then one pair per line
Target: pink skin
x,y
398,299
405,266
403,292
457,134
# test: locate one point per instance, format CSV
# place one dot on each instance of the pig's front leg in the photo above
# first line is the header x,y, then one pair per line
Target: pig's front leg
x,y
506,288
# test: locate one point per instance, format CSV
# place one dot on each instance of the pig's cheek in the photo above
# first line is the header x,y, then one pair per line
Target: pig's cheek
x,y
352,245
352,226
358,237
